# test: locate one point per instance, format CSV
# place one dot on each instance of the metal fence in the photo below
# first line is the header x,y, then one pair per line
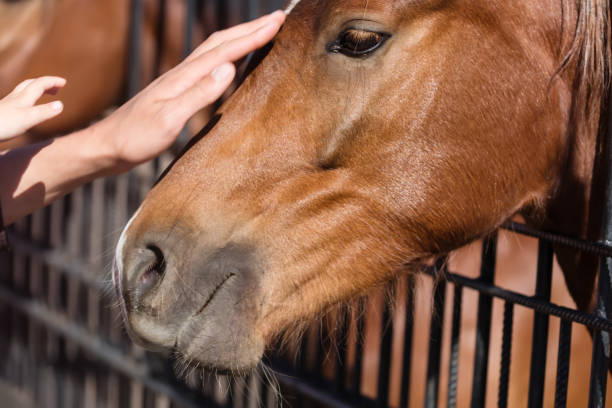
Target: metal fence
x,y
63,345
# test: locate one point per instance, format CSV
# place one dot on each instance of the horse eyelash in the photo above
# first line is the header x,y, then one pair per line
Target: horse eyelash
x,y
337,46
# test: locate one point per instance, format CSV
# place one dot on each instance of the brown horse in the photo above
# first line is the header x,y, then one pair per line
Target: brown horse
x,y
372,135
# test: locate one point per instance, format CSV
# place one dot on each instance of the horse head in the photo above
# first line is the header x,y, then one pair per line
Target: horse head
x,y
373,134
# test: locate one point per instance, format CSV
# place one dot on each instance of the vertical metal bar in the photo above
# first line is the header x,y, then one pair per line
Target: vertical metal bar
x,y
36,268
220,391
190,14
56,236
483,328
161,401
245,389
506,352
302,356
601,340
408,333
341,346
384,364
253,8
136,394
96,248
235,14
96,232
360,334
223,14
134,69
75,249
540,327
114,390
454,351
599,363
272,397
259,390
301,364
435,336
20,260
49,379
160,36
262,391
249,9
563,362
319,352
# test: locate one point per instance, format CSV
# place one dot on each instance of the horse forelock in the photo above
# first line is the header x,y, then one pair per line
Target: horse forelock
x,y
291,6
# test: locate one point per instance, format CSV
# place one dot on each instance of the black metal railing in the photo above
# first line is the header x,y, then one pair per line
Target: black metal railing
x,y
65,347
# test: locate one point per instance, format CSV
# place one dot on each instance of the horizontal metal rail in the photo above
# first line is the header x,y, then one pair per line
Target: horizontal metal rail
x,y
314,392
87,276
139,369
596,248
112,355
75,268
95,345
589,320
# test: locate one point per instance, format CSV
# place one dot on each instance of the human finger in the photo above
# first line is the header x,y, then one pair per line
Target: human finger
x,y
227,52
35,89
37,114
205,91
21,86
237,31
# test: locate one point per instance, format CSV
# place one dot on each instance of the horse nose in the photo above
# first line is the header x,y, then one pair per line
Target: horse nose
x,y
139,273
144,272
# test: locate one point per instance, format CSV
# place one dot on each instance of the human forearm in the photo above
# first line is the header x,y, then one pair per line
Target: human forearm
x,y
33,176
140,130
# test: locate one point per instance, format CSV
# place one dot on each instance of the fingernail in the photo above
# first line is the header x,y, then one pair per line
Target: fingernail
x,y
57,105
222,72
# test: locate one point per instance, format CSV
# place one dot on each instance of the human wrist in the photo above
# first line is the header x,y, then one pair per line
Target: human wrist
x,y
103,151
96,152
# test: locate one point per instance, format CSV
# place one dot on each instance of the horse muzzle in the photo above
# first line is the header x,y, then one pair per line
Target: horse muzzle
x,y
201,300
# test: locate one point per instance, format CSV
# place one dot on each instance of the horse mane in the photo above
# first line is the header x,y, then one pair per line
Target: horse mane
x,y
590,53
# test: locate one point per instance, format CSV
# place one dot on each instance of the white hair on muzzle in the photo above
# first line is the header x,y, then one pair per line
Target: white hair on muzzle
x,y
291,6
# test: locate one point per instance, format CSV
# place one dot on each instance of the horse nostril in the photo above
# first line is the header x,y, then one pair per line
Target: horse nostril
x,y
154,268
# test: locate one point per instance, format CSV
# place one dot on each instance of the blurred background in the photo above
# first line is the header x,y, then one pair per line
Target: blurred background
x,y
412,344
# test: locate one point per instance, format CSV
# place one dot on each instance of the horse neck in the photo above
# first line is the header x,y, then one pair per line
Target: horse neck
x,y
577,203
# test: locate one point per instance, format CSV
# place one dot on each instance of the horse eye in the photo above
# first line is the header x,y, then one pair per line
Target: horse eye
x,y
356,43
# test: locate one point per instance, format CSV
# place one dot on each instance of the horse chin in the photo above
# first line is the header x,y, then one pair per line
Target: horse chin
x,y
222,338
221,341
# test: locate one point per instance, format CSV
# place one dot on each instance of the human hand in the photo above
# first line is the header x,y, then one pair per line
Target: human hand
x,y
17,110
150,122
